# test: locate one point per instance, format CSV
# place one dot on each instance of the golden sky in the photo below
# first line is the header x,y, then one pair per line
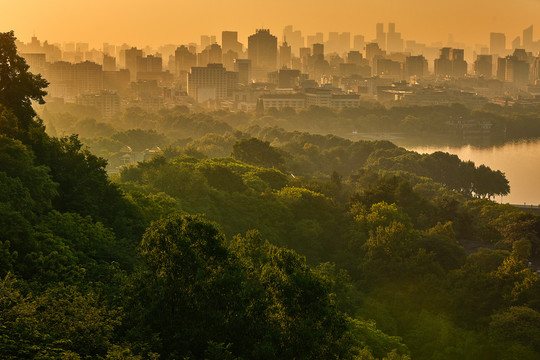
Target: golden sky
x,y
156,22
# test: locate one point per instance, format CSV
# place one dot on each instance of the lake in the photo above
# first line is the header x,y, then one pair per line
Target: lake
x,y
519,161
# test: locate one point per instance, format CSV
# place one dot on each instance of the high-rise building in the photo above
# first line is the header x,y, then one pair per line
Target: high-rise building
x,y
381,36
501,69
107,102
88,78
355,57
285,56
305,55
459,65
514,69
109,63
516,43
373,50
288,78
149,64
212,82
262,51
497,43
318,38
528,37
344,44
211,55
294,38
243,68
359,42
61,76
229,41
36,61
394,42
305,52
184,60
228,59
416,66
131,56
82,47
536,71
318,50
109,49
387,68
483,66
517,71
207,40
332,45
443,65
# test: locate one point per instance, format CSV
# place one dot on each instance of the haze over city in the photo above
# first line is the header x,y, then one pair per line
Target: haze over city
x,y
246,179
165,21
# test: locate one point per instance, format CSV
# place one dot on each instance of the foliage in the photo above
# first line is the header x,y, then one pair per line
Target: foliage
x,y
18,87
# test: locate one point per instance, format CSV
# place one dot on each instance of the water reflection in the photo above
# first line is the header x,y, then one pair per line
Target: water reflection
x,y
520,161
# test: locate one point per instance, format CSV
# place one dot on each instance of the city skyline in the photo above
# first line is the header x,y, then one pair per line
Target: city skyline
x,y
123,21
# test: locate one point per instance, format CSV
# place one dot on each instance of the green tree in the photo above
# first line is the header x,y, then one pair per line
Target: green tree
x,y
18,87
190,289
518,323
257,152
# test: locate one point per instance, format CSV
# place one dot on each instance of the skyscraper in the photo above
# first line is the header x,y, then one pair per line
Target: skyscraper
x,y
285,55
149,63
294,38
212,82
262,51
528,37
211,55
372,50
131,56
243,68
318,50
516,43
497,43
416,66
184,60
459,65
381,36
443,65
517,70
359,42
394,42
88,78
109,63
483,66
344,42
332,45
207,40
229,41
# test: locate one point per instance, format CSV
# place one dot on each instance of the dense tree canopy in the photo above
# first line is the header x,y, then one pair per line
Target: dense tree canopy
x,y
311,246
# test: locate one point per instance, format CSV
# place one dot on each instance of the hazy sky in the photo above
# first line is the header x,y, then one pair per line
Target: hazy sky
x,y
156,22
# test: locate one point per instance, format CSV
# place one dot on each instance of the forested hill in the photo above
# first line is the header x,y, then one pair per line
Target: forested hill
x,y
287,245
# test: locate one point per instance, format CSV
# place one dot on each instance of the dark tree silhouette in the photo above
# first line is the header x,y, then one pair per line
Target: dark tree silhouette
x,y
18,86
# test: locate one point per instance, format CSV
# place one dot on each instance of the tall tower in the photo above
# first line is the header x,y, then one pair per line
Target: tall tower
x,y
381,36
131,56
285,55
528,37
497,43
262,51
229,41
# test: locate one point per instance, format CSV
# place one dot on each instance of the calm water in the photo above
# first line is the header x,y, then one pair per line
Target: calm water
x,y
519,161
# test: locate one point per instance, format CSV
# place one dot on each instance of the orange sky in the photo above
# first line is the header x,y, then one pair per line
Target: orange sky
x,y
156,22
